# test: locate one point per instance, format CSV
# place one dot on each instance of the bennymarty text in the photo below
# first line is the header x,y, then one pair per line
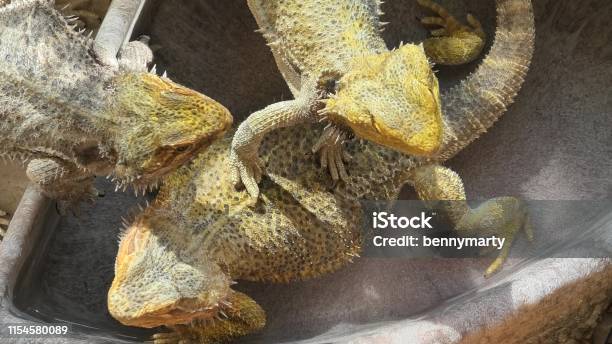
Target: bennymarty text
x,y
383,221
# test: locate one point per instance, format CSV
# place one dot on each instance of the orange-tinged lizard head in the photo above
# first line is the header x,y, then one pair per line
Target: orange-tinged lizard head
x,y
161,125
391,99
158,283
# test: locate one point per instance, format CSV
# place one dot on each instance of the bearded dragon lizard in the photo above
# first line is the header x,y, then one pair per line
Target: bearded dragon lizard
x,y
340,70
177,260
69,117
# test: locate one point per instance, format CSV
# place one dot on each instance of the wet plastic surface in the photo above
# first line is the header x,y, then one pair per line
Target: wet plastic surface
x,y
66,278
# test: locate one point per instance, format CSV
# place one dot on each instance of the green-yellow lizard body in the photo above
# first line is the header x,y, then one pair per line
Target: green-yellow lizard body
x,y
177,260
340,71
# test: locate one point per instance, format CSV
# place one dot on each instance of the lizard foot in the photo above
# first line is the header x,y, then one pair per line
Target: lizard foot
x,y
503,217
452,43
4,222
244,316
246,170
137,56
331,153
170,338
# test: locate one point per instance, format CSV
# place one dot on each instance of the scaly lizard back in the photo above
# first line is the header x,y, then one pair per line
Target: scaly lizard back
x,y
313,37
69,117
341,72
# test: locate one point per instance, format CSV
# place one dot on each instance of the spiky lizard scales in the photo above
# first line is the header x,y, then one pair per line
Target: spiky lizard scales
x,y
88,13
303,226
340,70
69,117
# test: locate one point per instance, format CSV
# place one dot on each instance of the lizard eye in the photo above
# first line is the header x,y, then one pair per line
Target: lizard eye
x,y
182,149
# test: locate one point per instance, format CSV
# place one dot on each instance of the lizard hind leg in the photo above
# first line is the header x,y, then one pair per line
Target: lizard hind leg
x,y
452,43
240,316
502,217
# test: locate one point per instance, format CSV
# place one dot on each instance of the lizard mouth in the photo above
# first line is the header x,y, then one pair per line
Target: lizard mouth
x,y
171,315
183,311
149,179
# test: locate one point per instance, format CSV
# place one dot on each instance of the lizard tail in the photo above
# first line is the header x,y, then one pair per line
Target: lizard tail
x,y
472,107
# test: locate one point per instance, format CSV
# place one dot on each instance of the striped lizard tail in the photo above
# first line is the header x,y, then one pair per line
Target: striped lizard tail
x,y
472,107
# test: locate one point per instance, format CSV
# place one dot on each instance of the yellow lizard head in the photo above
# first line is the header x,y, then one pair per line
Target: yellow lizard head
x,y
391,99
161,126
156,283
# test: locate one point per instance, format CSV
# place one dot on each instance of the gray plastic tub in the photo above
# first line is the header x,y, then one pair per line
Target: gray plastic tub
x,y
552,144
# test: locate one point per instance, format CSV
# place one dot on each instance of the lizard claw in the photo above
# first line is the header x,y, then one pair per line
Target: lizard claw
x,y
172,338
89,14
166,338
246,172
4,222
331,153
180,334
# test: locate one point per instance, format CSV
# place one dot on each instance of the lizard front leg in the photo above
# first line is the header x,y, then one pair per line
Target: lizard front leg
x,y
502,216
452,43
241,316
246,167
62,180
